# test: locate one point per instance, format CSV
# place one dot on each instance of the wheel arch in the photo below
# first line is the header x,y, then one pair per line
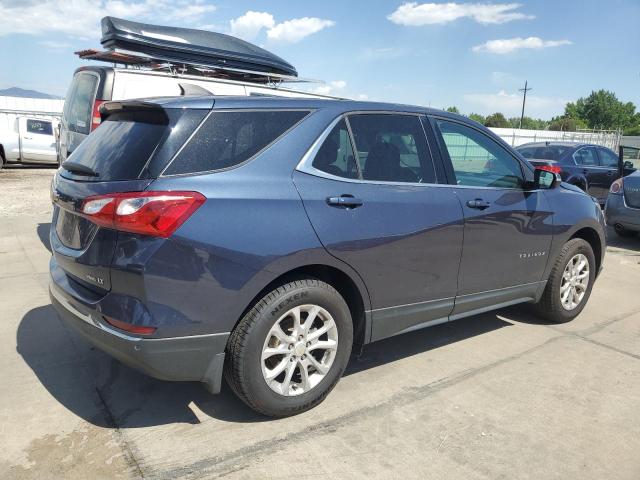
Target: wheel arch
x,y
590,235
352,290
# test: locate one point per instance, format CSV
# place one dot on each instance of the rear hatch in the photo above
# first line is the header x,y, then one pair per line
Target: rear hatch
x,y
632,190
134,143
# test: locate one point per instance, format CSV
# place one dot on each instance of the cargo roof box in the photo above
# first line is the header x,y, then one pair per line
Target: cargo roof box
x,y
191,47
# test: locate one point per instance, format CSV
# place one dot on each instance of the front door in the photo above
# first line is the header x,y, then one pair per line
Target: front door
x,y
507,227
37,143
381,211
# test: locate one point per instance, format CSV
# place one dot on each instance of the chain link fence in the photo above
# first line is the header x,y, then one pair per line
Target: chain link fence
x,y
516,137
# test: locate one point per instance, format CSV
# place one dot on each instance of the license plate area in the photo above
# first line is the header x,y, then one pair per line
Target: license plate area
x,y
74,231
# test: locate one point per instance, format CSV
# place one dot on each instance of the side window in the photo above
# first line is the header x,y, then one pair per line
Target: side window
x,y
39,126
392,148
527,152
227,139
335,156
607,158
478,160
586,156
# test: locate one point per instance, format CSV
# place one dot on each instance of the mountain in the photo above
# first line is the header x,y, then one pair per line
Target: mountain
x,y
21,92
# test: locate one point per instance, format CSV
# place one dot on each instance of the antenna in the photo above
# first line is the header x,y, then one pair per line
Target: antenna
x,y
524,100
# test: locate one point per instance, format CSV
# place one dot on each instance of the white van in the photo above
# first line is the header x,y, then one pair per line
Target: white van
x,y
27,138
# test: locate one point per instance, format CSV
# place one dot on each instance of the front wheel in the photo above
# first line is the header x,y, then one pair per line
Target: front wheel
x,y
289,351
570,283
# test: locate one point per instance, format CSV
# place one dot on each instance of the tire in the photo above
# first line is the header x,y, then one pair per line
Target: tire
x,y
247,372
551,306
623,232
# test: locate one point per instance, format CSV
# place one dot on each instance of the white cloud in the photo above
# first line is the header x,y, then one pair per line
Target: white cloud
x,y
249,25
292,31
510,45
511,103
329,88
363,96
415,15
81,18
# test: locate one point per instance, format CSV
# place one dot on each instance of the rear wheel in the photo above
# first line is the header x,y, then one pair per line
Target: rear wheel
x,y
289,351
570,283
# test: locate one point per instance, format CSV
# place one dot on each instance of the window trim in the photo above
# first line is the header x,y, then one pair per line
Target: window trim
x,y
444,153
595,150
309,111
306,163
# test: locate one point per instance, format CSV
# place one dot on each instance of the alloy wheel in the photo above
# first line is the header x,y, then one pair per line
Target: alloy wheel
x,y
575,280
299,350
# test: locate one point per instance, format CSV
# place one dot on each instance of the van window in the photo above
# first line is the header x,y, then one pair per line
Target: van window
x,y
79,103
41,127
227,139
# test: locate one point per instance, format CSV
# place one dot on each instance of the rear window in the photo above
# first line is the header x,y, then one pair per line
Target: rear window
x,y
227,139
134,144
551,152
79,103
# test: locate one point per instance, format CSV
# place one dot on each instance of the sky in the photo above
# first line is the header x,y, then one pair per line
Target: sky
x,y
474,55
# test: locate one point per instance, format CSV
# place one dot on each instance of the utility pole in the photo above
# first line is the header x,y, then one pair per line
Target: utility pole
x,y
524,100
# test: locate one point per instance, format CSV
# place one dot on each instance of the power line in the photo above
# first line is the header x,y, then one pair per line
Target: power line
x,y
524,100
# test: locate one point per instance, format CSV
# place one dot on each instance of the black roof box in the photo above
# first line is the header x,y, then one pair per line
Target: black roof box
x,y
190,46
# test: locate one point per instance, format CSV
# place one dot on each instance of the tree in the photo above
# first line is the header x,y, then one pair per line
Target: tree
x,y
602,110
529,123
496,120
476,117
566,124
453,110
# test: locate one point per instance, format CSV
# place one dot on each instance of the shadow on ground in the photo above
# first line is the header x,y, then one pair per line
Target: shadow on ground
x,y
106,393
628,243
43,234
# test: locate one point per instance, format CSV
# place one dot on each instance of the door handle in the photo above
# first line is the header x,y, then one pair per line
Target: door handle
x,y
345,201
478,203
610,173
28,138
585,171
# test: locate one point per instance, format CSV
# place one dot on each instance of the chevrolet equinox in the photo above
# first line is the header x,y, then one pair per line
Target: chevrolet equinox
x,y
266,239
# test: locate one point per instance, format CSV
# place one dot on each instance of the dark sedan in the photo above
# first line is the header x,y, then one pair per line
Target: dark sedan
x,y
593,168
623,205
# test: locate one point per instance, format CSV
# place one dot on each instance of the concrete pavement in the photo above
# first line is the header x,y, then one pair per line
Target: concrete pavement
x,y
500,395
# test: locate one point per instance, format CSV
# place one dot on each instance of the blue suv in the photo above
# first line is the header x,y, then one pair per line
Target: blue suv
x,y
267,239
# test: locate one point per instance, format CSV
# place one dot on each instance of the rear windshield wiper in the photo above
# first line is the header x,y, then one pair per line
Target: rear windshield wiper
x,y
75,167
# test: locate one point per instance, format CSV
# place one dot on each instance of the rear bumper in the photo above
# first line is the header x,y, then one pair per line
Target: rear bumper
x,y
617,212
195,358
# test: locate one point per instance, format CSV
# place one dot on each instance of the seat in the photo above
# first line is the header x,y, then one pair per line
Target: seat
x,y
383,164
326,157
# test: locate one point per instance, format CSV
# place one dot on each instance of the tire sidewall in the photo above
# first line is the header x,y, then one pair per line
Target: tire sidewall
x,y
327,298
584,248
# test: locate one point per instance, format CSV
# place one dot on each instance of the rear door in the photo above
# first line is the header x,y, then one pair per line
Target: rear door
x,y
76,115
507,227
371,193
37,142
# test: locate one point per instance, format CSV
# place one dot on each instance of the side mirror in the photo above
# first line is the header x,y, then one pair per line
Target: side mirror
x,y
628,165
545,179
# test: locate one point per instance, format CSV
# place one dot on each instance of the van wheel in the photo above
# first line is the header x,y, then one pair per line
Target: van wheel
x,y
570,283
289,351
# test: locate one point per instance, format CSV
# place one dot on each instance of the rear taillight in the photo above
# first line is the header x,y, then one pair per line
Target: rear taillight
x,y
616,186
158,214
127,327
550,168
95,114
